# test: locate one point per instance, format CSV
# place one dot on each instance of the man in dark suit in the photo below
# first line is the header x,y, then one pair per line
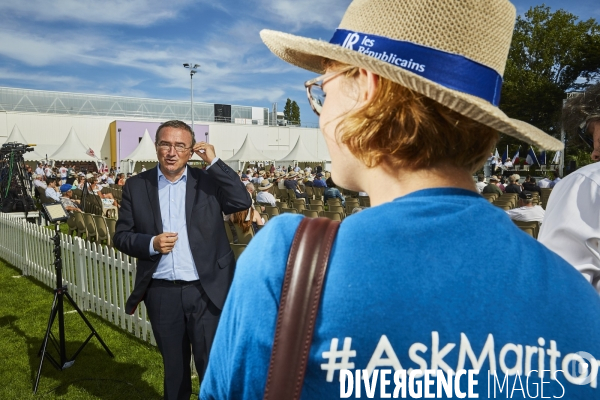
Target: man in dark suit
x,y
171,220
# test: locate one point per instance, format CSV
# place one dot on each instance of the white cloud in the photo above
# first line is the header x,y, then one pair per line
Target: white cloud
x,y
6,74
127,12
298,14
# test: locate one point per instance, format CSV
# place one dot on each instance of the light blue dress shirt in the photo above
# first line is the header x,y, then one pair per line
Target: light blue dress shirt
x,y
179,263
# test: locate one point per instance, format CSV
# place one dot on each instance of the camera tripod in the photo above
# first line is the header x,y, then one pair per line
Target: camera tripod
x,y
60,292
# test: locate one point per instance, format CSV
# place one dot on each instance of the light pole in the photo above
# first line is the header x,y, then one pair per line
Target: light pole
x,y
193,68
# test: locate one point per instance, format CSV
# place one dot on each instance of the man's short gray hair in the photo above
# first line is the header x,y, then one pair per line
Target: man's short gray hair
x,y
250,187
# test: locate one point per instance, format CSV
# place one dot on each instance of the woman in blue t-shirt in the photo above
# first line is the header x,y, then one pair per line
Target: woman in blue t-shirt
x,y
411,112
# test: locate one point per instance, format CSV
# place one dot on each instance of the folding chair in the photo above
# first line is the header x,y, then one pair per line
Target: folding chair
x,y
339,209
237,249
310,213
272,211
289,210
243,238
80,223
228,231
90,226
71,223
101,230
111,224
364,201
333,215
529,227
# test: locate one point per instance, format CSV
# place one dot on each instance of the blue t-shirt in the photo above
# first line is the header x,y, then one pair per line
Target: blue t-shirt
x,y
437,279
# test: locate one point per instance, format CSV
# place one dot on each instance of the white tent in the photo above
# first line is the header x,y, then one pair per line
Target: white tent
x,y
299,154
248,152
73,149
17,136
144,152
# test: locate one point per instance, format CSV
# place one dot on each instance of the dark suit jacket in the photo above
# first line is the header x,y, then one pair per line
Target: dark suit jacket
x,y
208,193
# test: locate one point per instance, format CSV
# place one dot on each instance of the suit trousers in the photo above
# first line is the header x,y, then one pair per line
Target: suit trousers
x,y
181,315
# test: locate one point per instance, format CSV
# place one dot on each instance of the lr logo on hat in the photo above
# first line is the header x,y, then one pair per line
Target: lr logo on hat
x,y
351,40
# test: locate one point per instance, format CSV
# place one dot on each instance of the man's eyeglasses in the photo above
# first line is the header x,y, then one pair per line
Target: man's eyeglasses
x,y
180,148
314,89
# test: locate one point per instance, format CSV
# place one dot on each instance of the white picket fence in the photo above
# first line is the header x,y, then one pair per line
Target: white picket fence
x,y
98,278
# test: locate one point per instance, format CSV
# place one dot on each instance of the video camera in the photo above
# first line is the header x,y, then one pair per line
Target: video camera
x,y
15,147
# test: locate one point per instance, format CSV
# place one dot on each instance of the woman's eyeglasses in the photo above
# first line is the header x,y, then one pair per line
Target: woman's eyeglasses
x,y
314,89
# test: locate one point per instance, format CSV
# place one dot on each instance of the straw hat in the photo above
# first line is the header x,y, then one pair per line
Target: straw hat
x,y
452,51
265,185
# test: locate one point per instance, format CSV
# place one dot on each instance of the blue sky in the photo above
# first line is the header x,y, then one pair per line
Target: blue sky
x,y
137,47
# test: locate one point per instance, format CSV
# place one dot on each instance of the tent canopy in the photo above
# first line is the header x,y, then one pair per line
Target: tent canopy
x,y
17,136
145,150
299,154
248,152
73,149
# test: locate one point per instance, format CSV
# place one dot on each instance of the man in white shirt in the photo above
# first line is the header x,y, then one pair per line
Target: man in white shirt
x,y
480,182
544,183
508,164
143,168
527,212
263,196
38,181
52,191
572,226
63,174
39,170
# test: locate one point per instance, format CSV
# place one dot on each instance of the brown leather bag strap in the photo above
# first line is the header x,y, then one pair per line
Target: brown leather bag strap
x,y
298,307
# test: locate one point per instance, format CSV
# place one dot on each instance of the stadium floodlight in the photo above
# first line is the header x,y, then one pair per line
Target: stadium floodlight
x,y
193,69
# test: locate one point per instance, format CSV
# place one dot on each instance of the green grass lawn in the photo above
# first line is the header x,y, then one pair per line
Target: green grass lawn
x,y
136,372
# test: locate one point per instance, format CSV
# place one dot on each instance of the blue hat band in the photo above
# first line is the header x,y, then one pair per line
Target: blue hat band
x,y
446,69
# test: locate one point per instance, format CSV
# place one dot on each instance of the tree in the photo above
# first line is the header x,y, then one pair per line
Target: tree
x,y
551,54
291,112
295,113
287,110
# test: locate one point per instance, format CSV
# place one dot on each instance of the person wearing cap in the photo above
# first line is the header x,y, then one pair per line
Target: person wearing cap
x,y
572,227
411,85
492,187
66,198
527,211
245,179
263,196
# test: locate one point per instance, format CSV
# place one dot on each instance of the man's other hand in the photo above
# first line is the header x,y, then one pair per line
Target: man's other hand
x,y
165,242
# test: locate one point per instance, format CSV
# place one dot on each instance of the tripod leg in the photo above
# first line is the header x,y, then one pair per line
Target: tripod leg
x,y
45,342
53,311
88,323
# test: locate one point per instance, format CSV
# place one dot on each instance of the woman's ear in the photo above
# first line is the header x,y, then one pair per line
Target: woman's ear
x,y
368,84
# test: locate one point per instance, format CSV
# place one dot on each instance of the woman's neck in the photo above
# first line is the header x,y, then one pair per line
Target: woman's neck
x,y
384,184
